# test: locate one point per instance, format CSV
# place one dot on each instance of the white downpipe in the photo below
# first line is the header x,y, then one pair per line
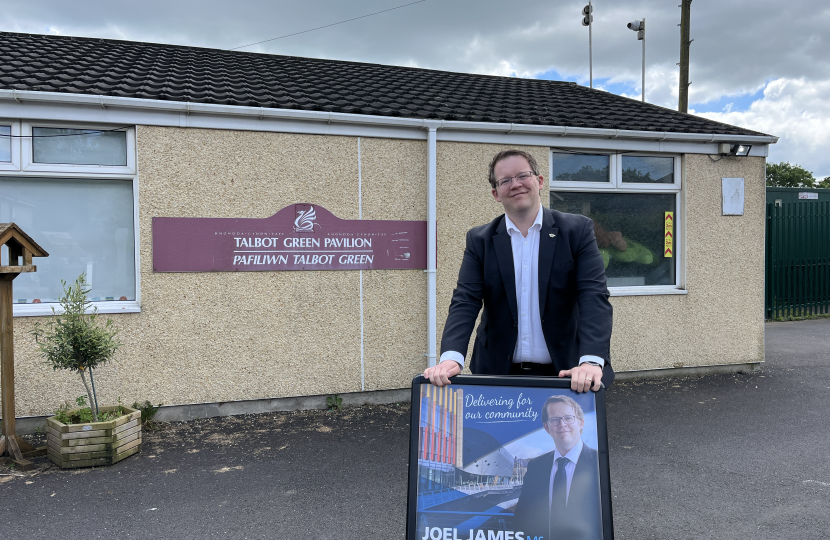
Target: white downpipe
x,y
432,227
360,216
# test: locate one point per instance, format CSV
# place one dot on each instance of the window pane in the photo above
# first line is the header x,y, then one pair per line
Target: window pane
x,y
6,143
580,167
79,146
648,170
85,225
630,231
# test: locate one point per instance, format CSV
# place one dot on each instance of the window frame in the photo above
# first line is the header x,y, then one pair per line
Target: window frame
x,y
613,172
28,163
676,185
14,164
616,185
23,167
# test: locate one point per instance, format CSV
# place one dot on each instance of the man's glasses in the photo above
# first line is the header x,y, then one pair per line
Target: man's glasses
x,y
556,420
521,177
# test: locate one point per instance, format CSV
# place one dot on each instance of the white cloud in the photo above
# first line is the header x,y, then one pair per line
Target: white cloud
x,y
503,69
797,111
661,85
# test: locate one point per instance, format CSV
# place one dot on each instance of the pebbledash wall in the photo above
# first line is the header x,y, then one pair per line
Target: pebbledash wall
x,y
220,337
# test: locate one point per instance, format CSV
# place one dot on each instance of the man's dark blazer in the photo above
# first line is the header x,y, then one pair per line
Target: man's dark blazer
x,y
573,296
582,520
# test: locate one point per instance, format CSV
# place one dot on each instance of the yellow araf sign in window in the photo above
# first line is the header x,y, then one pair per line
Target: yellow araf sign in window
x,y
669,236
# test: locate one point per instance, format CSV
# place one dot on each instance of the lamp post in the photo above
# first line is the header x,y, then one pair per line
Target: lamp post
x,y
587,20
640,28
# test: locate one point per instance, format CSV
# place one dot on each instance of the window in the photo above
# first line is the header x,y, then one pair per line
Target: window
x,y
647,170
634,201
5,144
79,146
579,168
86,225
77,149
9,145
73,190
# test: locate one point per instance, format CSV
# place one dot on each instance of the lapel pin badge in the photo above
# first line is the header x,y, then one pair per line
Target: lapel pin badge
x,y
552,235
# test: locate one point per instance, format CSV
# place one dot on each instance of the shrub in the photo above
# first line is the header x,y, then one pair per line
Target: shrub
x,y
74,340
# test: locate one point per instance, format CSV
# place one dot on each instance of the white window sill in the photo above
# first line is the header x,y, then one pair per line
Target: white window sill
x,y
645,291
41,310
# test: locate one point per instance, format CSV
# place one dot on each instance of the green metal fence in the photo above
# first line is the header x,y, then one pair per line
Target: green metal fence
x,y
797,259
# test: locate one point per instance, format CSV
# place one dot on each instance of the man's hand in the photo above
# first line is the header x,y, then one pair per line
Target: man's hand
x,y
440,375
584,377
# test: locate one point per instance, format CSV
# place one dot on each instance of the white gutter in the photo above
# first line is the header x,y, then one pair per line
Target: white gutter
x,y
186,108
432,241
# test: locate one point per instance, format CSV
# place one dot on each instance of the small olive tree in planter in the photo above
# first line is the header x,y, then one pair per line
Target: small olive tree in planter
x,y
73,340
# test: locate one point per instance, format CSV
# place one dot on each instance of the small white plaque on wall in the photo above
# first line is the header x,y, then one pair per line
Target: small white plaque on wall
x,y
733,196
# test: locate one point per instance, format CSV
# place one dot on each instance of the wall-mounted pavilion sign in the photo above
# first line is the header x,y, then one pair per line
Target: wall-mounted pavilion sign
x,y
298,237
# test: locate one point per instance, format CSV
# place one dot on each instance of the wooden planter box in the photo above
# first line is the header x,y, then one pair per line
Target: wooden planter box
x,y
94,443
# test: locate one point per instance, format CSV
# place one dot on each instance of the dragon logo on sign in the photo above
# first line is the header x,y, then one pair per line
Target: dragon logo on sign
x,y
305,220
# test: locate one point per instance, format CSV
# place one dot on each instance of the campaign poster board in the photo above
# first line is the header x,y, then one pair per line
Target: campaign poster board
x,y
483,465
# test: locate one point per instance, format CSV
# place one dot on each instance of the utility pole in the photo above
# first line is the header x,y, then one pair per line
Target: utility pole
x,y
685,16
643,38
587,20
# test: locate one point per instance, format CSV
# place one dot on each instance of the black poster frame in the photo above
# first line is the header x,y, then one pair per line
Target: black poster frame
x,y
562,385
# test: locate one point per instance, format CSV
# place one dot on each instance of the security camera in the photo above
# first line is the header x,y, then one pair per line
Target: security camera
x,y
635,26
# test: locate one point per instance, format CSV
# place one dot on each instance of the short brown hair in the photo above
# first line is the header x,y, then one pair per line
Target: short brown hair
x,y
562,399
504,154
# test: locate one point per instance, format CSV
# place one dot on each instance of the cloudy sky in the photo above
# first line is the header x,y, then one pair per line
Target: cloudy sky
x,y
760,64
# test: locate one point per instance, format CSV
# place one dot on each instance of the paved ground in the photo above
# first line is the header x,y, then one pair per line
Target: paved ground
x,y
728,456
721,456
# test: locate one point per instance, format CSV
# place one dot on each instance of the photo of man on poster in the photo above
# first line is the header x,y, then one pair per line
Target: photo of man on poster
x,y
560,497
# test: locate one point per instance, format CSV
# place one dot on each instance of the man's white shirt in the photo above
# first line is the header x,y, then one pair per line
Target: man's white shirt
x,y
530,344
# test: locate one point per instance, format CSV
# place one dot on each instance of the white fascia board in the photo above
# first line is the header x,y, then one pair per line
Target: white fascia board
x,y
510,129
133,111
587,143
261,121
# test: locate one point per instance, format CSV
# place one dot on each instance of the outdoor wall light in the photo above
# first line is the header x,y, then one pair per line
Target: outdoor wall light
x,y
728,149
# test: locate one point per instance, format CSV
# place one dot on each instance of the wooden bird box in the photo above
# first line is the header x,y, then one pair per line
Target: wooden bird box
x,y
20,245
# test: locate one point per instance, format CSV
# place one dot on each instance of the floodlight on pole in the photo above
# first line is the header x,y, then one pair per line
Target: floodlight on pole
x,y
587,20
640,28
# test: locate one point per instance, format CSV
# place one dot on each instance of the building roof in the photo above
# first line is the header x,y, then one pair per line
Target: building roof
x,y
174,73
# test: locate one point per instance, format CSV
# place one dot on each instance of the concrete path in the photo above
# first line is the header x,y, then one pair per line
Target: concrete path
x,y
719,456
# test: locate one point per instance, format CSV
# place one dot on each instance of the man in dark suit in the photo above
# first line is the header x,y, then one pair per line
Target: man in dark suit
x,y
560,497
540,277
